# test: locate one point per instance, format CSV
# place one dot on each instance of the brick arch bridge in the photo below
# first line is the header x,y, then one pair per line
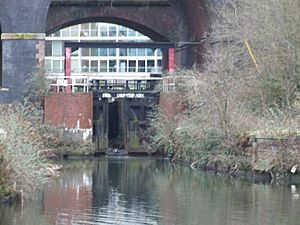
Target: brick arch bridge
x,y
25,23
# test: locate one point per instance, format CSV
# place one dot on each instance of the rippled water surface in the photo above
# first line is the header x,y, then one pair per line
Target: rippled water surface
x,y
152,191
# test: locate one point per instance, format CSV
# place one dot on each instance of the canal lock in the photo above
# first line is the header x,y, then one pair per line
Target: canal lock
x,y
120,124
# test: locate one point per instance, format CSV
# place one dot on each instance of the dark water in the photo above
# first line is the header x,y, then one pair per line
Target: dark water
x,y
151,191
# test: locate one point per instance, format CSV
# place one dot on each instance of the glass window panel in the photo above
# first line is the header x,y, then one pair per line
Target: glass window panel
x,y
150,65
74,31
74,65
48,66
103,30
132,51
48,48
94,29
132,66
65,32
112,31
56,66
150,52
112,51
122,31
141,66
85,52
94,65
123,66
84,30
159,63
103,52
123,51
85,65
159,52
75,53
131,33
112,65
103,66
57,48
94,51
141,52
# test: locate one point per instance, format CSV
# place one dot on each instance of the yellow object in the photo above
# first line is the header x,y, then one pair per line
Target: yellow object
x,y
251,54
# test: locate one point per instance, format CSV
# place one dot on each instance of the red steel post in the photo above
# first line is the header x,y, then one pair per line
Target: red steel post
x,y
171,60
68,53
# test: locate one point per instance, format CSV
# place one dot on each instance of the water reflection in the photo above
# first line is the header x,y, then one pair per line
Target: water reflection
x,y
152,191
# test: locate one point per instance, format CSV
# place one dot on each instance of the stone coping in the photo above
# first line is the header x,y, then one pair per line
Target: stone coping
x,y
3,89
23,36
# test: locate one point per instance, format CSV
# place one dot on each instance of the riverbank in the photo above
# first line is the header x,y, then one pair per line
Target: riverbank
x,y
27,148
210,129
246,90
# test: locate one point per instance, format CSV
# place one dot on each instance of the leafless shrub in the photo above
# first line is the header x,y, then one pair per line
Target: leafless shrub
x,y
250,84
24,163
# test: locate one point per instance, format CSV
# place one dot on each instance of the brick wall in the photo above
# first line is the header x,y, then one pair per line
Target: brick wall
x,y
70,110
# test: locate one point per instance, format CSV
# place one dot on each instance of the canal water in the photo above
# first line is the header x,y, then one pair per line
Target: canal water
x,y
152,191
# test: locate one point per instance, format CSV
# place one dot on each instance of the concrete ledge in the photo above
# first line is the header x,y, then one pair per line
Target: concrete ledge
x,y
23,36
2,89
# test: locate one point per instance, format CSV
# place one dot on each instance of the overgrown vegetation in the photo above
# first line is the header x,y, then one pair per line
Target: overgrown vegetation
x,y
26,143
37,87
248,87
23,165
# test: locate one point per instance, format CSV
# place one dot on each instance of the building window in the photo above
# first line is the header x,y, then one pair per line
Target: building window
x,y
123,51
158,52
75,66
74,31
112,52
94,66
84,65
131,33
94,29
103,30
141,52
150,66
123,66
150,52
48,48
103,66
103,60
56,66
112,66
122,31
141,66
132,51
84,30
103,52
132,66
112,31
94,52
57,49
48,65
85,52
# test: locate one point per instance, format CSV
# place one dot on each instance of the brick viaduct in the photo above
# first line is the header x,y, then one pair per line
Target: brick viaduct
x,y
25,23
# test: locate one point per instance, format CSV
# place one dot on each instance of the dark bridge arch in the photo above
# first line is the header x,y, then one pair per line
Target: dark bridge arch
x,y
159,23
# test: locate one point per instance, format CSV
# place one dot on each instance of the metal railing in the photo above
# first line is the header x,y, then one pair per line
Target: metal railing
x,y
92,83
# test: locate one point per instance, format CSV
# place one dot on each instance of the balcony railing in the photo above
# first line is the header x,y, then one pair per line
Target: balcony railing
x,y
90,83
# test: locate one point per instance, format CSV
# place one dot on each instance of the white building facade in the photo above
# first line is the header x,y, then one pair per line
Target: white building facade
x,y
102,62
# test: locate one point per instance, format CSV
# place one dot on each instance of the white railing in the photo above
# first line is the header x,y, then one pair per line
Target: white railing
x,y
170,83
84,83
